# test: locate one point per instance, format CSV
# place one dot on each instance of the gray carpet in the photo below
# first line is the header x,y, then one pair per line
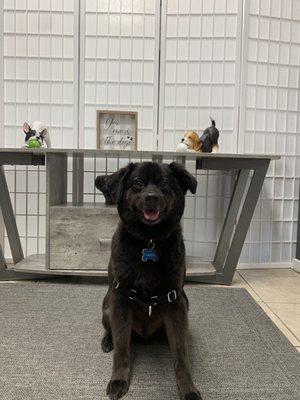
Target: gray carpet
x,y
50,348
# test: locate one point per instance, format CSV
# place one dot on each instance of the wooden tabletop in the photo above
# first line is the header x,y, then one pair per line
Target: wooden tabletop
x,y
134,154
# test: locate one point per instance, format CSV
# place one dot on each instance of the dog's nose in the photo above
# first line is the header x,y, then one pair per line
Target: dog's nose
x,y
151,198
182,140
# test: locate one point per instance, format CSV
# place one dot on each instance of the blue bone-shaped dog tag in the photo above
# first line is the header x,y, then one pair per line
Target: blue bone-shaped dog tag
x,y
149,255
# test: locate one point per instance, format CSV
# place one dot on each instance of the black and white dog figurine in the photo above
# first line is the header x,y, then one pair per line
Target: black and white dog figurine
x,y
209,139
38,132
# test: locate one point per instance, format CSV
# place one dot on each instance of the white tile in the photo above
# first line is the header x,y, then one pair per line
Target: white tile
x,y
280,286
289,314
290,336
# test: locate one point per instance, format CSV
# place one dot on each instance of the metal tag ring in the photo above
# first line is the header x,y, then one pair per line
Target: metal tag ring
x,y
151,244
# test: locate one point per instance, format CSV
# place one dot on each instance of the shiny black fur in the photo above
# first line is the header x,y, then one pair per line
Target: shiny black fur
x,y
142,189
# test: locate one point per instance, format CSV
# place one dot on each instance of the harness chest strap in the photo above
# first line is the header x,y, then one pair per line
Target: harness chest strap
x,y
131,294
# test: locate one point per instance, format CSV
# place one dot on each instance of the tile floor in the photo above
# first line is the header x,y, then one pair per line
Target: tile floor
x,y
277,291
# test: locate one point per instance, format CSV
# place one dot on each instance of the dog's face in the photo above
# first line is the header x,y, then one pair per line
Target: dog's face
x,y
152,195
31,133
191,139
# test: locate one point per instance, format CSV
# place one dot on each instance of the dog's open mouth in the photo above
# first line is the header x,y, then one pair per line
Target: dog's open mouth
x,y
151,215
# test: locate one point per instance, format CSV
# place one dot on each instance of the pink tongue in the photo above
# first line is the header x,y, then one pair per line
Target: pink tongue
x,y
151,215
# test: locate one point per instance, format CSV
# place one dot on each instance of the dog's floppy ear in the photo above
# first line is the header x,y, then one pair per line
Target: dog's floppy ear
x,y
26,127
126,171
111,185
186,180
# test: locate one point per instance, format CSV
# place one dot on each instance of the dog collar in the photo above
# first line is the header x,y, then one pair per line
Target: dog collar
x,y
150,254
153,301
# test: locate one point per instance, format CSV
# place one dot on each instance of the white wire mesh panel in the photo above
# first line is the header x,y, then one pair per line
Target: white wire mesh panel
x,y
205,212
120,59
38,59
27,187
270,124
198,69
38,69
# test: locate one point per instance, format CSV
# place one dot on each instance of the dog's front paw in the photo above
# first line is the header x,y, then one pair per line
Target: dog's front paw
x,y
117,389
194,395
107,343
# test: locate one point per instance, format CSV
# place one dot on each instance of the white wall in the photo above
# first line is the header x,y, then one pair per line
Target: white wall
x,y
176,63
119,59
199,72
40,69
199,69
270,123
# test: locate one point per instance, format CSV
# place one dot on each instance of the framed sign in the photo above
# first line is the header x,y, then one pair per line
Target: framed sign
x,y
117,130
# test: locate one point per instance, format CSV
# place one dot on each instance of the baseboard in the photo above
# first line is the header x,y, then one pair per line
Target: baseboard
x,y
296,265
264,265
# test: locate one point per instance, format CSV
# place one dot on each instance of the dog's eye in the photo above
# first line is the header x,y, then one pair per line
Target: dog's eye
x,y
163,183
138,183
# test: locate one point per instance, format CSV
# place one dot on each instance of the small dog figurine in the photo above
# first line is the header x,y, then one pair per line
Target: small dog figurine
x,y
36,135
190,142
209,139
207,143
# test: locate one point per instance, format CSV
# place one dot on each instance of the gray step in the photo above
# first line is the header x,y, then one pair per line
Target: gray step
x,y
36,263
97,208
80,240
74,236
196,267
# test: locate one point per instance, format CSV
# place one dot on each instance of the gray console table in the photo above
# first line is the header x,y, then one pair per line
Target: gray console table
x,y
220,270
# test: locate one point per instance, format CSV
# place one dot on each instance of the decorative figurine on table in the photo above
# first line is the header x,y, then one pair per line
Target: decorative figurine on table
x,y
209,139
207,143
37,135
190,142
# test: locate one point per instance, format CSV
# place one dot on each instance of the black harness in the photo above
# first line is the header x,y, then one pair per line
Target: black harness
x,y
153,301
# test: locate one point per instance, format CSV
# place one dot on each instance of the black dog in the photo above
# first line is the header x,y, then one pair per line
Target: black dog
x,y
209,139
147,270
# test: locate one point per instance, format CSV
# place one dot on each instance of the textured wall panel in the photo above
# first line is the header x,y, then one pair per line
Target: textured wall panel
x,y
198,70
270,124
120,60
39,84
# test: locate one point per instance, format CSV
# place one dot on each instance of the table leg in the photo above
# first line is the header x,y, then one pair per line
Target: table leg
x,y
234,232
244,221
2,260
9,220
56,190
230,219
77,190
